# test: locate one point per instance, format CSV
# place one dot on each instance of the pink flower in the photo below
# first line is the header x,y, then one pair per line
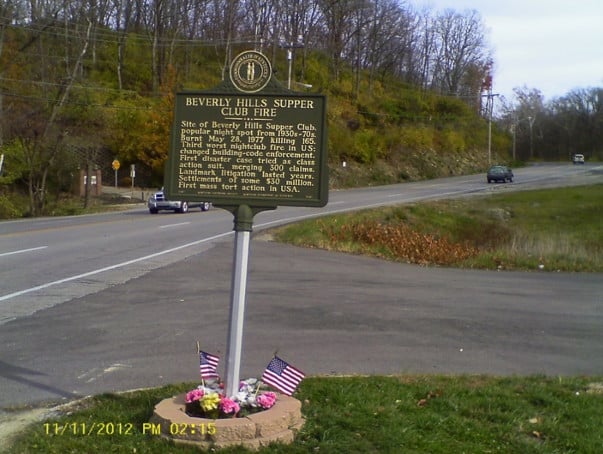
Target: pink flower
x,y
229,406
194,395
266,400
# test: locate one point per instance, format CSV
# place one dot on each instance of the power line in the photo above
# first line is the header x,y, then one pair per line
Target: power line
x,y
76,103
103,35
54,84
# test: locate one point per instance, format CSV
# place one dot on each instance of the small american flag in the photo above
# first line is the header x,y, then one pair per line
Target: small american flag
x,y
282,376
208,365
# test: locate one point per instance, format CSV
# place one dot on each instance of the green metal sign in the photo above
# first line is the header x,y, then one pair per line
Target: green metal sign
x,y
260,147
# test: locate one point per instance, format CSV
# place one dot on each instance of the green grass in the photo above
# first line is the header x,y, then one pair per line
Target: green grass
x,y
553,229
16,205
396,414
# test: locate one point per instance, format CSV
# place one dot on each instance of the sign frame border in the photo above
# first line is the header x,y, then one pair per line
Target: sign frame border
x,y
234,199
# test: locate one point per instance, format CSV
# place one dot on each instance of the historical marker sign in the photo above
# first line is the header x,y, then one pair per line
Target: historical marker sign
x,y
255,148
248,145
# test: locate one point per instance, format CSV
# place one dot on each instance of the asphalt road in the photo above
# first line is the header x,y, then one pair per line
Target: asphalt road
x,y
325,313
47,261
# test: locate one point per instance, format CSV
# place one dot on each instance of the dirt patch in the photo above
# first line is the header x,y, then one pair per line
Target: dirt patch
x,y
595,388
12,423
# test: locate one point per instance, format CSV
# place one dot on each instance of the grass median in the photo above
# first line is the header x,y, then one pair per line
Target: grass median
x,y
550,230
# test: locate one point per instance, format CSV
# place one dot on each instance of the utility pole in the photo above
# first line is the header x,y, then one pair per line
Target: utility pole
x,y
489,108
487,85
514,131
531,120
290,52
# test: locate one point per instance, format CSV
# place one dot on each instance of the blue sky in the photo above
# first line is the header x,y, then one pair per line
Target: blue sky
x,y
551,45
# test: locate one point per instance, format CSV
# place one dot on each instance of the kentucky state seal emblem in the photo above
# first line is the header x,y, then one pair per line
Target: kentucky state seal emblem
x,y
250,71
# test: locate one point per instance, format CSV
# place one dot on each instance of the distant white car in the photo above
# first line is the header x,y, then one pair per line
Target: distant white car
x,y
578,159
159,201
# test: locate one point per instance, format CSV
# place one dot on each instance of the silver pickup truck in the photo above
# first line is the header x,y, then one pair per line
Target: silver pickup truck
x,y
158,201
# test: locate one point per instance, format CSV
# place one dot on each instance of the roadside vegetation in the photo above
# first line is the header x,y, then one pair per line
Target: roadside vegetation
x,y
66,204
551,230
419,414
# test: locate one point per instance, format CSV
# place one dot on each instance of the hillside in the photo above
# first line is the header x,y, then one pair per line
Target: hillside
x,y
401,134
381,130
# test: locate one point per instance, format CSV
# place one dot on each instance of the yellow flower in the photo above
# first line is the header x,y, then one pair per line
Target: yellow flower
x,y
210,402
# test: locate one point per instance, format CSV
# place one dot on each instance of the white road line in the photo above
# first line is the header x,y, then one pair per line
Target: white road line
x,y
169,226
23,250
112,267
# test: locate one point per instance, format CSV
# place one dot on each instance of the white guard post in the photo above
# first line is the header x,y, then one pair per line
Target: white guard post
x,y
243,220
237,312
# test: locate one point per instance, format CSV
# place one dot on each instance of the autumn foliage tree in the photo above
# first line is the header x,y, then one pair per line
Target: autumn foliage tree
x,y
155,138
143,134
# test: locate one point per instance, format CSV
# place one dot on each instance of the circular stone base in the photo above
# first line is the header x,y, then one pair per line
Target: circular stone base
x,y
278,424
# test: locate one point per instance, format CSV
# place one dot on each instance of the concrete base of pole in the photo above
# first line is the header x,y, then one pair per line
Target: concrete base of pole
x,y
278,424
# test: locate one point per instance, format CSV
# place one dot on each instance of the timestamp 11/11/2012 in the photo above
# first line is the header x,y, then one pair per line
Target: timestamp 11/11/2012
x,y
118,428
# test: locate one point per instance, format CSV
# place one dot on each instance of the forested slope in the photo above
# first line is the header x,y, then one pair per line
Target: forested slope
x,y
84,83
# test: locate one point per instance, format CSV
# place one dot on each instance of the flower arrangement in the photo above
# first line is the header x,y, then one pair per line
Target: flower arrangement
x,y
209,401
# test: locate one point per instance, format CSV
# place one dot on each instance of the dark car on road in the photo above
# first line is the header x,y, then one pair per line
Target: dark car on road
x,y
500,173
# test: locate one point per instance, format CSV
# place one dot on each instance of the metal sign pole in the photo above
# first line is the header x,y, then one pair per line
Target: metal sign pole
x,y
132,176
243,223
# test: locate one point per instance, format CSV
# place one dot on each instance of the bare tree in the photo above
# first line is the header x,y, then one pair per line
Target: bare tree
x,y
573,124
529,111
36,127
122,11
337,30
390,41
7,10
461,48
299,21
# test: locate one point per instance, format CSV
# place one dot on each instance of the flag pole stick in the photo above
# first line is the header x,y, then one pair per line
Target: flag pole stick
x,y
199,356
257,389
